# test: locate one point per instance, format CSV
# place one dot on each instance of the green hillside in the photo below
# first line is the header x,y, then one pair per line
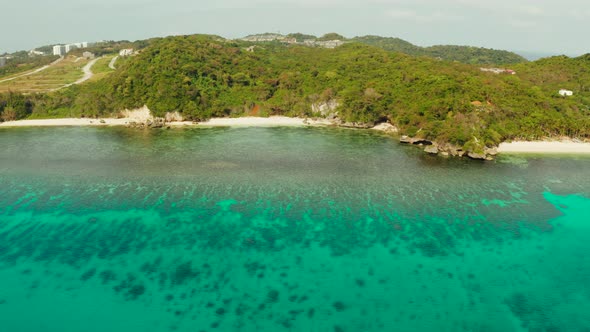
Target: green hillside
x,y
465,54
391,44
473,55
448,102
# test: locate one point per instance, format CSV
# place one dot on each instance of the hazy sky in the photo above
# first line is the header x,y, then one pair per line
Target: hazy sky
x,y
558,27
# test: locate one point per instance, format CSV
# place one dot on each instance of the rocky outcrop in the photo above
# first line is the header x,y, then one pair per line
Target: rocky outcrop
x,y
432,149
326,109
421,141
491,151
448,149
416,141
453,150
386,128
476,155
142,118
138,115
406,139
173,117
358,125
149,123
155,123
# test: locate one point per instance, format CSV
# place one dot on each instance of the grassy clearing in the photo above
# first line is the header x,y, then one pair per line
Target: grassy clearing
x,y
67,71
22,63
16,74
101,67
20,71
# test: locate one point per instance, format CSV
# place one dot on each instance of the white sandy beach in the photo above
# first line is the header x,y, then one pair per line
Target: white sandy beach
x,y
273,121
69,122
65,122
254,121
566,147
215,122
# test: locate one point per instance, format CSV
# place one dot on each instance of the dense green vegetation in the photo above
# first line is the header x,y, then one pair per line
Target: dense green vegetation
x,y
465,54
203,77
300,37
331,36
110,47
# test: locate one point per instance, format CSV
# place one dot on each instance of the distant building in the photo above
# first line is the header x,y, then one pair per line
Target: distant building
x,y
265,37
70,47
59,50
35,52
498,71
566,93
126,52
88,55
270,37
324,44
2,61
330,43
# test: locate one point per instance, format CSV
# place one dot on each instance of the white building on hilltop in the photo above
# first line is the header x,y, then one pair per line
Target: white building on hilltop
x,y
70,47
81,44
62,50
265,37
59,50
126,52
35,52
88,55
566,93
498,70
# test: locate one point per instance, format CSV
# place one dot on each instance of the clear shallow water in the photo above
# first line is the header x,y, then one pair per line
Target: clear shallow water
x,y
285,229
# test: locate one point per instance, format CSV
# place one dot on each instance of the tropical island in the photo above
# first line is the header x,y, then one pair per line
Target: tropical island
x,y
454,100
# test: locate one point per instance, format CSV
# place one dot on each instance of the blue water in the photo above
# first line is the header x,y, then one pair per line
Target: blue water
x,y
285,229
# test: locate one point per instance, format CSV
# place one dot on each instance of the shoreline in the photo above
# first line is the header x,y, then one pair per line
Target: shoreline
x,y
273,121
516,147
544,147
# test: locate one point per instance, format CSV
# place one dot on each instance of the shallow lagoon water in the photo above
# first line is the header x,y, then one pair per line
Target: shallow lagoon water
x,y
285,229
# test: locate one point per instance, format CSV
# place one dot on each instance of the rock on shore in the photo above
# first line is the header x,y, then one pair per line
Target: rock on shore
x,y
386,128
447,149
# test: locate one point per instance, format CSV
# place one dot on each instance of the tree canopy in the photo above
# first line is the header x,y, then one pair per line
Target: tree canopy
x,y
203,76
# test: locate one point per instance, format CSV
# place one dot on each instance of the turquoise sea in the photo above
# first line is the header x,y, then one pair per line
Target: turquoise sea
x,y
285,229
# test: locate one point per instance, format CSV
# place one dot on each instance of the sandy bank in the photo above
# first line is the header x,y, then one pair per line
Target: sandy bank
x,y
545,147
77,122
254,121
140,117
273,121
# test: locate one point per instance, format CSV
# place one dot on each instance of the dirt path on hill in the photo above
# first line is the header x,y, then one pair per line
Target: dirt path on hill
x,y
87,70
33,72
112,63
